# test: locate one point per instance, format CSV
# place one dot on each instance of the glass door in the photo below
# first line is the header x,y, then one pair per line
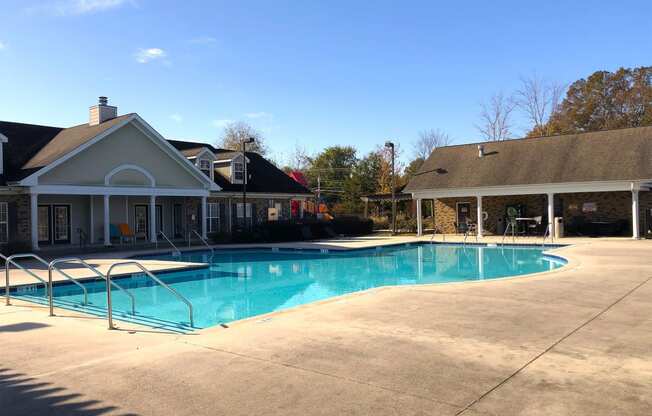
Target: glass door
x,y
141,219
61,215
44,236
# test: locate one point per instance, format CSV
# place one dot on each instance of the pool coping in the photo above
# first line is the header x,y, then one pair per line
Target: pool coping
x,y
569,264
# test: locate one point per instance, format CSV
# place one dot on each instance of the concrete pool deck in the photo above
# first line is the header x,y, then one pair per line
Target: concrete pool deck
x,y
572,342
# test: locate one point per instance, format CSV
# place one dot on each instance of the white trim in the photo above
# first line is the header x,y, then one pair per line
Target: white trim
x,y
419,218
204,150
172,151
3,138
33,208
480,218
32,180
128,166
556,188
115,190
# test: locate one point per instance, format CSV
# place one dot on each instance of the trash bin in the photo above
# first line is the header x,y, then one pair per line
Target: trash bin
x,y
559,227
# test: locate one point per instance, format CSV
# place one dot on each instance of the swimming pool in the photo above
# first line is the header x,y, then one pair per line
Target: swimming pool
x,y
248,282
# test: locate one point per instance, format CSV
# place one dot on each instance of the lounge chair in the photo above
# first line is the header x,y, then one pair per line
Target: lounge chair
x,y
126,233
114,233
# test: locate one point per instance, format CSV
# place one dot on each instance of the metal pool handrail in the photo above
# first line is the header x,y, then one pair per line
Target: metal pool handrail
x,y
434,232
153,277
9,261
176,250
203,241
53,266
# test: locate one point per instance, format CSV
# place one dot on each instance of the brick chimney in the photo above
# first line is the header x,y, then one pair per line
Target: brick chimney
x,y
102,112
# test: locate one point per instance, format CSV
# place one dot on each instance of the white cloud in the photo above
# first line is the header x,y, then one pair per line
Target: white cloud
x,y
144,56
78,7
221,123
176,117
203,40
260,114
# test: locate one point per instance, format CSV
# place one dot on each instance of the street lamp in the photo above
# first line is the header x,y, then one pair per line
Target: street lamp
x,y
244,179
390,145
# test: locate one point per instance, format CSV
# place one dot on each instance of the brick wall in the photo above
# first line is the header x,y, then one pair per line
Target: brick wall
x,y
19,218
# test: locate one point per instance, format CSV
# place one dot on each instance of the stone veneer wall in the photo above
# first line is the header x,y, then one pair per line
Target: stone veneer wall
x,y
610,206
19,218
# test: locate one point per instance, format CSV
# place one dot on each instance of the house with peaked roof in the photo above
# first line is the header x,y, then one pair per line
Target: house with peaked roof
x,y
67,186
597,183
252,189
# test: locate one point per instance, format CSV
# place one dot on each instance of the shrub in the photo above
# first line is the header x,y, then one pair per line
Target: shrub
x,y
351,225
380,223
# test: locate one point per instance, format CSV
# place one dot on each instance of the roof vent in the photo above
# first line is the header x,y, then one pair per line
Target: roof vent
x,y
102,112
480,150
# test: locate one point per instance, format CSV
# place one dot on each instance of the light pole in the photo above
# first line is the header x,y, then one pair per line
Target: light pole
x,y
244,179
390,146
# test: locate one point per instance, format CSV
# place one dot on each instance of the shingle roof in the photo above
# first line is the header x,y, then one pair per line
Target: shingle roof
x,y
265,177
69,139
623,154
25,141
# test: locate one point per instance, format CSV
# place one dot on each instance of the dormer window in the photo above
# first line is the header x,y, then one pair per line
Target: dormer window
x,y
205,166
238,172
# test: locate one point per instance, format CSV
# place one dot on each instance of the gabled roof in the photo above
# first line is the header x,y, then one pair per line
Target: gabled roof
x,y
68,140
612,155
265,177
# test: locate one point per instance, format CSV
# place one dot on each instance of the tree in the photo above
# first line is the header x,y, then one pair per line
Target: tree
x,y
538,99
495,118
385,168
330,169
605,100
412,169
235,133
428,141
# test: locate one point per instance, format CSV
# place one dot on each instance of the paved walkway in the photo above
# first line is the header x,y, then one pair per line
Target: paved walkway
x,y
572,342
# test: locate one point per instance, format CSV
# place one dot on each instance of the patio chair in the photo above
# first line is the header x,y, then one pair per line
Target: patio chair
x,y
114,233
126,233
535,226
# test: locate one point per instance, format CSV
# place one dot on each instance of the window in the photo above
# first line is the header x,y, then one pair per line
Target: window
x,y
4,222
240,212
213,217
238,171
205,166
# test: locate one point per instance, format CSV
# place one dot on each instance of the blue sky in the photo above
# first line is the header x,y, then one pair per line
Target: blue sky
x,y
307,72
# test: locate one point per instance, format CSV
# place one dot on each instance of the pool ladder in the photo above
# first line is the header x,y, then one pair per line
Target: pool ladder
x,y
54,266
176,251
434,233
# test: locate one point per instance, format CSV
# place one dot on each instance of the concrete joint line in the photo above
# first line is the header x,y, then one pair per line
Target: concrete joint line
x,y
351,380
553,345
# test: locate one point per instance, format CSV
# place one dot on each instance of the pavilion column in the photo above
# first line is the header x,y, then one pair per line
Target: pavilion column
x,y
480,225
204,222
107,222
635,215
419,218
230,213
551,215
152,219
301,203
33,206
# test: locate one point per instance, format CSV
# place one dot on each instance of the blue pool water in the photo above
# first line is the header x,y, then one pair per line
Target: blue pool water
x,y
244,283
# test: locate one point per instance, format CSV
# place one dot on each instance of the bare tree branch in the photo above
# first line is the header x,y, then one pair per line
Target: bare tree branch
x,y
495,118
235,133
539,99
428,141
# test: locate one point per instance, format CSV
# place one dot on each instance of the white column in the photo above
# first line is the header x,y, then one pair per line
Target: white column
x,y
301,203
204,211
107,222
551,214
33,206
91,230
419,218
635,215
152,219
480,225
